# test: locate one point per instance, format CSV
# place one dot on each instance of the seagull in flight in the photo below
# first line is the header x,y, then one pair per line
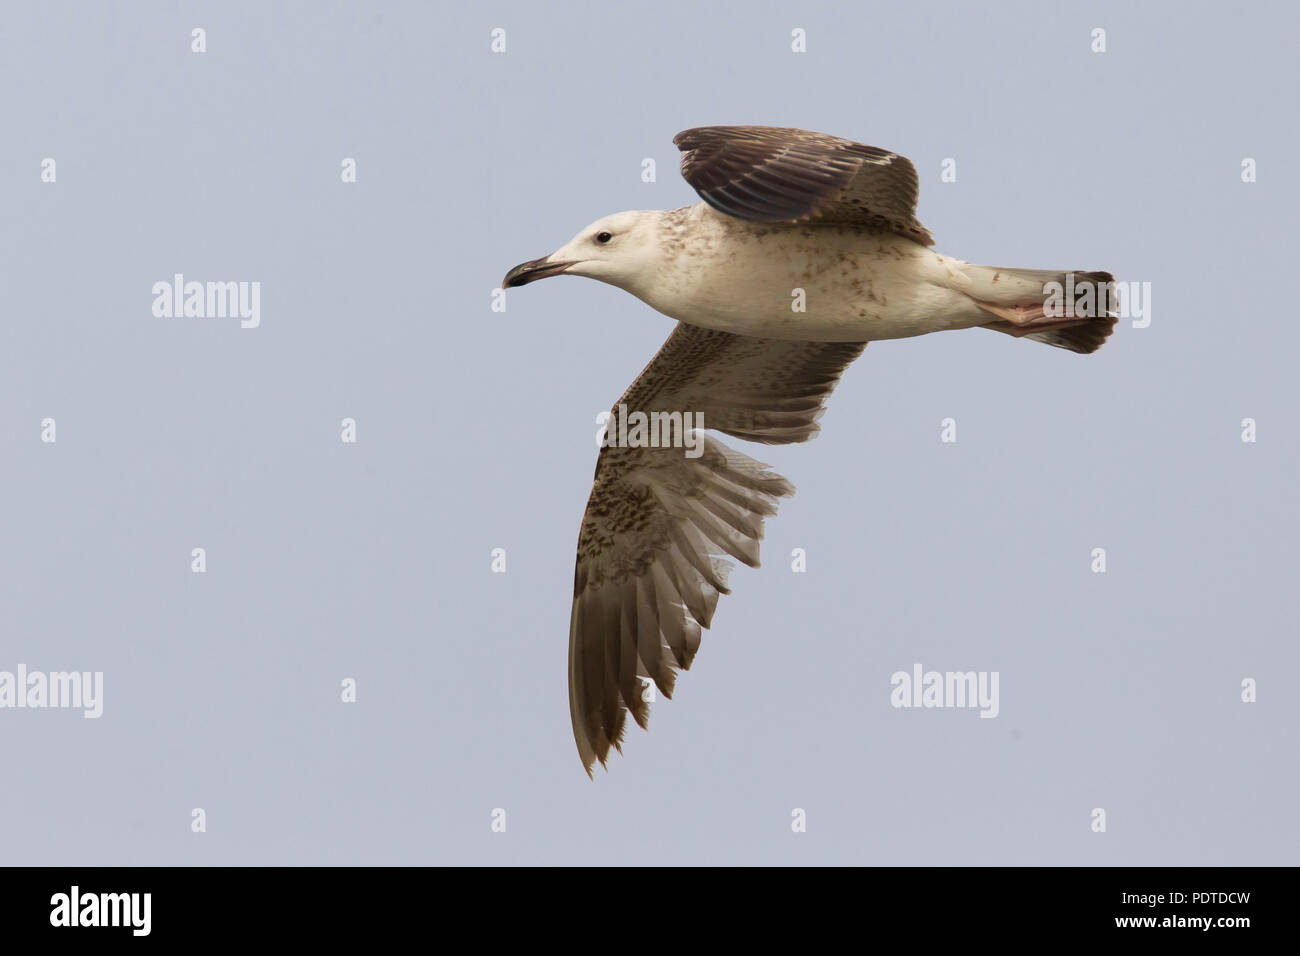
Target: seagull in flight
x,y
805,248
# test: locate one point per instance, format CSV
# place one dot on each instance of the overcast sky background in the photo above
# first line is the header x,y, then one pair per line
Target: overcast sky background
x,y
372,561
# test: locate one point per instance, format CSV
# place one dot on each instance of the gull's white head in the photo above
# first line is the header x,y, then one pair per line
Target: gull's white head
x,y
619,249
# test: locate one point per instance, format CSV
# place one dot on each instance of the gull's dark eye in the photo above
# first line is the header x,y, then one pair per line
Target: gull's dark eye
x,y
603,237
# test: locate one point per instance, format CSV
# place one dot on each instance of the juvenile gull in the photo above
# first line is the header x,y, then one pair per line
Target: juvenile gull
x,y
784,210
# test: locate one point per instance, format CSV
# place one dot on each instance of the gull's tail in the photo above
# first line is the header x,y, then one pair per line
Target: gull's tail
x,y
1070,310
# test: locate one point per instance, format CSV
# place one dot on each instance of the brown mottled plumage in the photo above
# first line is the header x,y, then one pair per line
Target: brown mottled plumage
x,y
647,580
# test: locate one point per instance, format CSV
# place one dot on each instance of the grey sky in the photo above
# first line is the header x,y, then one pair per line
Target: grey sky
x,y
475,431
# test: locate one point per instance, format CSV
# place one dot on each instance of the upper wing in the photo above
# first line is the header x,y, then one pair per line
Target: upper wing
x,y
647,580
773,174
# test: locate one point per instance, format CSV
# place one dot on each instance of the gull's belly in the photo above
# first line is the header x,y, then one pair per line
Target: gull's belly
x,y
814,283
